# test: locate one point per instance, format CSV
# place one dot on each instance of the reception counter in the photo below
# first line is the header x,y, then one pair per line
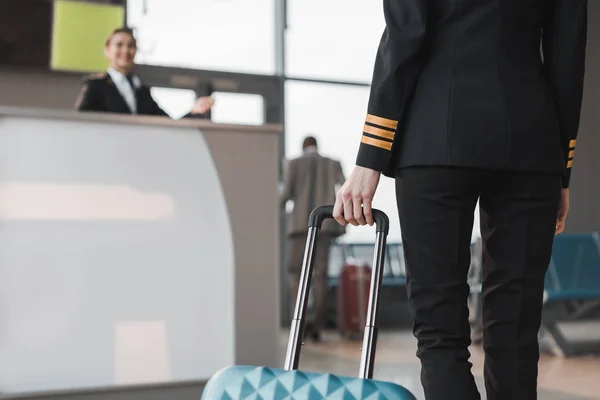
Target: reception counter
x,y
134,250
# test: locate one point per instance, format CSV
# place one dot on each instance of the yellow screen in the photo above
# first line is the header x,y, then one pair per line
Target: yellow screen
x,y
79,32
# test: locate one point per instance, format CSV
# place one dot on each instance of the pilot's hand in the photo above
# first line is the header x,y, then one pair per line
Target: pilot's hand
x,y
563,210
353,200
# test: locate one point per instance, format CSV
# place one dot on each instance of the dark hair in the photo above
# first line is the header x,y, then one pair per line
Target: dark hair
x,y
126,30
309,141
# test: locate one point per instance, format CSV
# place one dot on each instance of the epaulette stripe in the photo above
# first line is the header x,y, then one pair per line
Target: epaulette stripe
x,y
571,152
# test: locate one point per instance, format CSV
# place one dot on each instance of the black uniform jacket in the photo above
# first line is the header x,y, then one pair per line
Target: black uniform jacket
x,y
493,84
99,93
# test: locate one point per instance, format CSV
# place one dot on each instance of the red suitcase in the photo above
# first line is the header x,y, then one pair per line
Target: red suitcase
x,y
352,300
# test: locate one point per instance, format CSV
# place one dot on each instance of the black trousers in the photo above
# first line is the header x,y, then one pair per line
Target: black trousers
x,y
436,207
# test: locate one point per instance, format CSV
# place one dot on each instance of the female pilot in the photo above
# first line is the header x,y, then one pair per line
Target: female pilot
x,y
465,107
118,90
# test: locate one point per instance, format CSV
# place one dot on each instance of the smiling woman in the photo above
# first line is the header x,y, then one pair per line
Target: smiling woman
x,y
120,49
119,90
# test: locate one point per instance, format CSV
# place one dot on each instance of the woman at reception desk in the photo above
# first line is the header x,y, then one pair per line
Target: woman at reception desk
x,y
119,90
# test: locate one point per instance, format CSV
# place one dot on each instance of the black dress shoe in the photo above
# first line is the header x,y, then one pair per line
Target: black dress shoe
x,y
315,336
477,336
312,333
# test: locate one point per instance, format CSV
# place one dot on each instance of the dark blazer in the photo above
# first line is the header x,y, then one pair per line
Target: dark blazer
x,y
99,93
464,83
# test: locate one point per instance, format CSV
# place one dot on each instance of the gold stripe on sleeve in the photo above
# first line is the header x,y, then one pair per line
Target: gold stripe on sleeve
x,y
382,144
378,132
388,123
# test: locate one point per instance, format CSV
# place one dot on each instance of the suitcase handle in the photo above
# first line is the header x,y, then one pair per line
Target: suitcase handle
x,y
367,359
320,214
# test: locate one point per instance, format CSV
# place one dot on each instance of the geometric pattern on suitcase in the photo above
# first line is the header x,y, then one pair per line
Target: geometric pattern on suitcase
x,y
262,383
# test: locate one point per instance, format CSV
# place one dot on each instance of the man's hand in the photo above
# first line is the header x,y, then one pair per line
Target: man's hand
x,y
353,200
563,209
203,104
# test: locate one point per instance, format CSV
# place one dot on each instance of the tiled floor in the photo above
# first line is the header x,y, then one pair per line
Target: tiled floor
x,y
559,379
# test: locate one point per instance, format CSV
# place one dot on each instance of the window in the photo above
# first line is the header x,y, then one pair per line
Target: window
x,y
335,114
233,35
333,40
238,108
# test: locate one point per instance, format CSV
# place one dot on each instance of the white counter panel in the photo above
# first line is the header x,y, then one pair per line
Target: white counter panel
x,y
116,256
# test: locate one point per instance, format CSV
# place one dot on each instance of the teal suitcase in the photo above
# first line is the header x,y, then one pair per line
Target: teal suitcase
x,y
263,383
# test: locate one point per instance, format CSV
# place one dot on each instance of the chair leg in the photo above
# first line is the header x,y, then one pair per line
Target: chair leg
x,y
587,307
552,335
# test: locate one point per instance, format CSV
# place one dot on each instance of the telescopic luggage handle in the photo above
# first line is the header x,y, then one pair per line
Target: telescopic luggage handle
x,y
367,359
322,213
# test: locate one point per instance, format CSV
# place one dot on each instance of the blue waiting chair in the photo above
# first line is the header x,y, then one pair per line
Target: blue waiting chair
x,y
571,290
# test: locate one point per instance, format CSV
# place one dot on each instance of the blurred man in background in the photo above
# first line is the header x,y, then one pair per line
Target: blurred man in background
x,y
311,180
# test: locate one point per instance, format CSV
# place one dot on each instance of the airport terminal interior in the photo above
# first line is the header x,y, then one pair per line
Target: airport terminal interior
x,y
143,252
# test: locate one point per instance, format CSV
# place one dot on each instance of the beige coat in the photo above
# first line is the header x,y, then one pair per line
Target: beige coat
x,y
297,182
